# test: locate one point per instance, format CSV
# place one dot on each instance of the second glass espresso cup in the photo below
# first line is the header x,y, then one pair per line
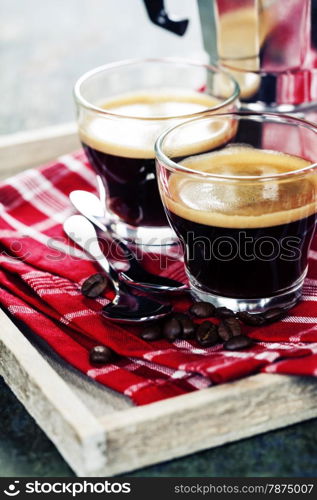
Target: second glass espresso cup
x,y
122,109
240,191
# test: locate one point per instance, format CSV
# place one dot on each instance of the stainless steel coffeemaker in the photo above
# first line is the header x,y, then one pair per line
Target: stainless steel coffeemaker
x,y
269,46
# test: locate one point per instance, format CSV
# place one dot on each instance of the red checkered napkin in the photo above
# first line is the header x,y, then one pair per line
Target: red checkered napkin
x,y
41,273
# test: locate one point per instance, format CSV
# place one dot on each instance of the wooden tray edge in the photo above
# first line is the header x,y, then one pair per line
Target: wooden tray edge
x,y
77,434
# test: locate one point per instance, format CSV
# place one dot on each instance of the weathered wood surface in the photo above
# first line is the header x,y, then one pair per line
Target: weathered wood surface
x,y
98,431
29,149
72,427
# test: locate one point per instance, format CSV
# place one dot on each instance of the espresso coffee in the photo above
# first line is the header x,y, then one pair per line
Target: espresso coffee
x,y
245,239
120,146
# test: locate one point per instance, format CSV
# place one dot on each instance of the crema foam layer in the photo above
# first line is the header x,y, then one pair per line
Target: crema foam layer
x,y
242,203
134,138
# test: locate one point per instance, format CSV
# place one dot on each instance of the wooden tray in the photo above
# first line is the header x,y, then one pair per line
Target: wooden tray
x,y
98,431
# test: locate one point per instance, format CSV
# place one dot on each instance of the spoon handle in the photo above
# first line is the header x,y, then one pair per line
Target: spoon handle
x,y
82,232
83,201
128,254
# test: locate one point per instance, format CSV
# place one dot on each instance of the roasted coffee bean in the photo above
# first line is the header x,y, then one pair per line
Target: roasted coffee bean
x,y
224,312
236,343
207,334
251,319
229,327
224,331
234,325
274,314
188,328
172,329
100,355
180,316
202,309
150,333
94,285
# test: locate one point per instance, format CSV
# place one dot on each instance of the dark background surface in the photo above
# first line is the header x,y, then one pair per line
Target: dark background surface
x,y
44,46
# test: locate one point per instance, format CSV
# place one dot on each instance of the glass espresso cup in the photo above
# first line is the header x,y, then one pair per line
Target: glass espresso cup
x,y
240,191
122,109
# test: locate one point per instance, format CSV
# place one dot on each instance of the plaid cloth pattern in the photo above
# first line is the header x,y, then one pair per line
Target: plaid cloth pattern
x,y
41,273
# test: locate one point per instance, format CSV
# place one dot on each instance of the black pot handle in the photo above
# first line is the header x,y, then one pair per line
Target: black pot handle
x,y
158,15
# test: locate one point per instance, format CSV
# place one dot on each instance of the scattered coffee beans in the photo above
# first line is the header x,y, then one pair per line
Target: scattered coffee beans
x,y
180,316
188,328
94,285
224,331
202,309
100,355
274,314
207,334
229,327
251,319
150,333
236,343
260,319
224,312
172,329
179,325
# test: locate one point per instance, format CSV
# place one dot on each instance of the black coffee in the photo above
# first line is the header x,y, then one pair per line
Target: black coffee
x,y
243,241
131,187
122,149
